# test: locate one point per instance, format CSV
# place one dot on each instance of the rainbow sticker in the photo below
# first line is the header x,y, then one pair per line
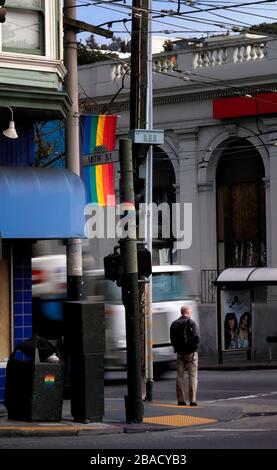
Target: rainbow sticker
x,y
49,379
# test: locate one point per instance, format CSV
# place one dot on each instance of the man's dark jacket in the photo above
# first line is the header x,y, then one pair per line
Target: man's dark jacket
x,y
177,335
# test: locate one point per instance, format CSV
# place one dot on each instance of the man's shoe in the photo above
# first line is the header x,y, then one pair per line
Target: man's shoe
x,y
182,403
193,403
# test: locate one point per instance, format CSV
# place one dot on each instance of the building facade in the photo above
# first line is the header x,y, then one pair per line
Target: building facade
x,y
35,203
216,101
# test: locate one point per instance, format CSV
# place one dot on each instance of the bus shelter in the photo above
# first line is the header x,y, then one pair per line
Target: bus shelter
x,y
235,315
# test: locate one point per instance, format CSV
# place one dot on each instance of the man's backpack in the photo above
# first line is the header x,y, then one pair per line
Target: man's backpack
x,y
184,335
189,341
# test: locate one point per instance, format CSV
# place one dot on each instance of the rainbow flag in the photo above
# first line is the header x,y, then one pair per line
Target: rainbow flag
x,y
97,131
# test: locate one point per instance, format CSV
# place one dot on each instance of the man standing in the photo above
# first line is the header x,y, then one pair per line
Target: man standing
x,y
184,336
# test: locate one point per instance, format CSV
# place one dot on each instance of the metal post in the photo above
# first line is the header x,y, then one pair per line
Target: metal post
x,y
149,376
138,111
128,248
219,324
74,247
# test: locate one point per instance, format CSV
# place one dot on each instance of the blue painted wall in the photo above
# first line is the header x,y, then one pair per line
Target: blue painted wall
x,y
19,152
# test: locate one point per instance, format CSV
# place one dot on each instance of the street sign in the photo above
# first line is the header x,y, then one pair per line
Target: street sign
x,y
100,158
145,136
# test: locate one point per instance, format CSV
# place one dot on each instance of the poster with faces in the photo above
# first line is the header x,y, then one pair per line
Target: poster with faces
x,y
236,323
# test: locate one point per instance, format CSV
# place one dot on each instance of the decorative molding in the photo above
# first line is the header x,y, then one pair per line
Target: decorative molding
x,y
51,30
204,187
187,134
269,122
220,54
232,129
90,106
35,63
35,104
30,78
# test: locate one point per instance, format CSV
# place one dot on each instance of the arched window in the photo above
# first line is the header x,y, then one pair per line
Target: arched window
x,y
163,191
241,225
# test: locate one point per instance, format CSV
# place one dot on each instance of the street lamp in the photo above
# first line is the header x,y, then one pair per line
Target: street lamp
x,y
10,132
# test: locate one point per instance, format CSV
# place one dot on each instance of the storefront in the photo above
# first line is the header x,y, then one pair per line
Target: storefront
x,y
35,204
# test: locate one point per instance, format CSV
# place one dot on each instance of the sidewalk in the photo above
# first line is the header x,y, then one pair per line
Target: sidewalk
x,y
233,361
158,415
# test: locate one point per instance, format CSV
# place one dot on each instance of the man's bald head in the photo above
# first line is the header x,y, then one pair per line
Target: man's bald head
x,y
186,311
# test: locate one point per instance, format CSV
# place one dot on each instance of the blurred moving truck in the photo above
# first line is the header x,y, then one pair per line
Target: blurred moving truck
x,y
171,288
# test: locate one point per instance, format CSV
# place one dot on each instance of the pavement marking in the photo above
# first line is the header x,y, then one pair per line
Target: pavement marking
x,y
178,420
244,397
237,430
169,405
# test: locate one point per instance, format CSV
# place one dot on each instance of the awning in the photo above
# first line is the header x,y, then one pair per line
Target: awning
x,y
41,203
239,106
249,276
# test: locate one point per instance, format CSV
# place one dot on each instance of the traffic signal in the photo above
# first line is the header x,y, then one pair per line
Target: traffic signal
x,y
139,189
113,264
113,267
144,262
2,11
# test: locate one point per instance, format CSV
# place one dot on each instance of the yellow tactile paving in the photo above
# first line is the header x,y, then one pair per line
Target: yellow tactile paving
x,y
178,420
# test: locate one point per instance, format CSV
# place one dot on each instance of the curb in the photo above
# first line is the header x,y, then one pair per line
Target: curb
x,y
20,429
37,431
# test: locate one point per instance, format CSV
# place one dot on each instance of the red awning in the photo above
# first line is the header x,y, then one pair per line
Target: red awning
x,y
239,106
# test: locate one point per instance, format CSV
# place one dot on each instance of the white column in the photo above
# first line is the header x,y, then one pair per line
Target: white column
x,y
207,225
189,194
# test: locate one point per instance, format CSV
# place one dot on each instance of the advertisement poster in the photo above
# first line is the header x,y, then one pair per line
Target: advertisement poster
x,y
236,319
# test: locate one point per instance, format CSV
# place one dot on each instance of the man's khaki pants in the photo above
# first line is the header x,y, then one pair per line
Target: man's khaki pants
x,y
189,362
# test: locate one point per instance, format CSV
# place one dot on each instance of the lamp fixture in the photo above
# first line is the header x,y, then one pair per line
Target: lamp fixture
x,y
10,132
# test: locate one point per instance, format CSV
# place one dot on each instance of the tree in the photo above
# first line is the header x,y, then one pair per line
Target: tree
x,y
91,52
86,55
91,42
49,143
168,46
264,28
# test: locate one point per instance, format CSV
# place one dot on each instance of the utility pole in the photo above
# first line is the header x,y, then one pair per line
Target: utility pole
x,y
138,71
141,118
71,27
130,296
74,247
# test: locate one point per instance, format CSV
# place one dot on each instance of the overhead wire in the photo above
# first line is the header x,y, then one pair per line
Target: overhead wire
x,y
201,20
233,10
129,7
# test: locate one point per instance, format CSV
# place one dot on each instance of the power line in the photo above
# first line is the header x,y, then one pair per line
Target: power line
x,y
180,16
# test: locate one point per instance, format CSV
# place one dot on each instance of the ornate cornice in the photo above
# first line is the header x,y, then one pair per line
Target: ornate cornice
x,y
30,104
32,63
86,105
